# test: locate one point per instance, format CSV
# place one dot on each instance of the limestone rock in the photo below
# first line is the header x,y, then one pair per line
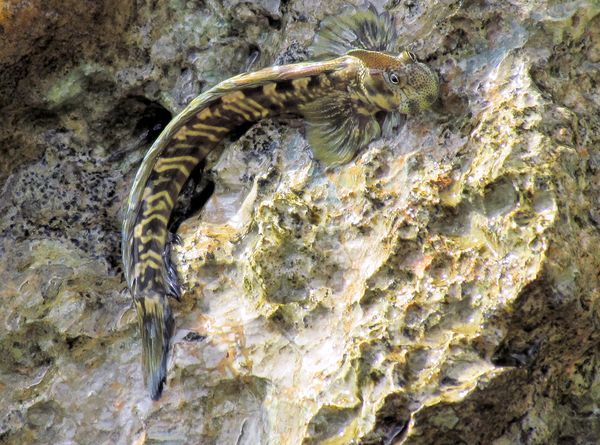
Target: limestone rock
x,y
442,287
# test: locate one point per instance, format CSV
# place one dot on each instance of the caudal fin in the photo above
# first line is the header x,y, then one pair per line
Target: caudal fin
x,y
156,326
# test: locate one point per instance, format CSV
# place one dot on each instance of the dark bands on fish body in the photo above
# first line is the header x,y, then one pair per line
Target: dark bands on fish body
x,y
189,146
151,279
338,99
314,82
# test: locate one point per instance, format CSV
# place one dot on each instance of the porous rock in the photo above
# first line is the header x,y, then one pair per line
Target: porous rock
x,y
442,287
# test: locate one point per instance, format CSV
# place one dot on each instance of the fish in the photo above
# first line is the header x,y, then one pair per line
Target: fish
x,y
356,76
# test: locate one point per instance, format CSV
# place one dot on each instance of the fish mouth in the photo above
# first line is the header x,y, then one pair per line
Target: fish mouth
x,y
420,96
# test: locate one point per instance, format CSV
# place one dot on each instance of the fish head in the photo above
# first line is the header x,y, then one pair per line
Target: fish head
x,y
397,83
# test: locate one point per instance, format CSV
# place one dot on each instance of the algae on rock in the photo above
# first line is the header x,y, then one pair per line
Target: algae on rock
x,y
440,288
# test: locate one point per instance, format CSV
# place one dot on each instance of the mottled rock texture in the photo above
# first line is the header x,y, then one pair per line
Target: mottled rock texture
x,y
441,288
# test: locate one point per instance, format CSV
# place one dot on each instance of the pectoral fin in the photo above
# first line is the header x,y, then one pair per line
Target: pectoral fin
x,y
355,30
335,131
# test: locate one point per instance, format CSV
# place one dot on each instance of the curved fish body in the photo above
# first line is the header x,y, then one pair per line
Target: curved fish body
x,y
338,98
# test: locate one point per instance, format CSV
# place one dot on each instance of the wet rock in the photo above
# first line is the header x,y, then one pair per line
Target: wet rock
x,y
442,287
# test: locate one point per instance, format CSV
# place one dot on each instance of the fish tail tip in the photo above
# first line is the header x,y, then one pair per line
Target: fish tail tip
x,y
156,325
155,386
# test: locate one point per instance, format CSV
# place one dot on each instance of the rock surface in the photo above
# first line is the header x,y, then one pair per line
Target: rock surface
x,y
443,287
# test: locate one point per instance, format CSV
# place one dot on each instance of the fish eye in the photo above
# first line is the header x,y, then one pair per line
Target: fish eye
x,y
394,78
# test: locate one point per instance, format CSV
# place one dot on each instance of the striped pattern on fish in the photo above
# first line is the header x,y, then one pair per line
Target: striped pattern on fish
x,y
339,99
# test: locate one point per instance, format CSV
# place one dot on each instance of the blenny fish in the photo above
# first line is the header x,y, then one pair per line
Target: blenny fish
x,y
358,84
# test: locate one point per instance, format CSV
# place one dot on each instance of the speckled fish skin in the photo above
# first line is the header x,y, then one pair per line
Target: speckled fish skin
x,y
338,99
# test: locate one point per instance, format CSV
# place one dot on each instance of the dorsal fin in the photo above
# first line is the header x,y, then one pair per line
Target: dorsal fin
x,y
354,30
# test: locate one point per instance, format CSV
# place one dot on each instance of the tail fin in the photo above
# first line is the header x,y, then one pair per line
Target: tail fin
x,y
156,325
